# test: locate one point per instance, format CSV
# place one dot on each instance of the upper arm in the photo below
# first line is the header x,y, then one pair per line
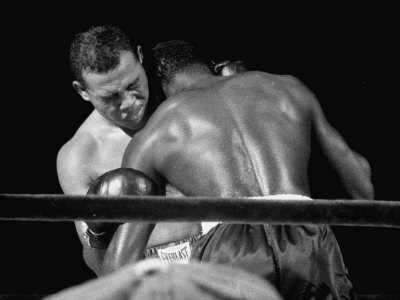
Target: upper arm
x,y
141,155
149,147
352,168
331,141
73,166
73,173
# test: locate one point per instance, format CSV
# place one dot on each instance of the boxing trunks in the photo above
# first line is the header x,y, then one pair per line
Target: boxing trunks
x,y
302,261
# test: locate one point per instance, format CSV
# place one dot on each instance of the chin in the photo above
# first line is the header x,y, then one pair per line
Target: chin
x,y
132,124
134,121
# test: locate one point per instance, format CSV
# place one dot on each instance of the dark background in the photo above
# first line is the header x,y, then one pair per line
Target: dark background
x,y
347,56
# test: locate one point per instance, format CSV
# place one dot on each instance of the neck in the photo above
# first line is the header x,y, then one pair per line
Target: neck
x,y
189,78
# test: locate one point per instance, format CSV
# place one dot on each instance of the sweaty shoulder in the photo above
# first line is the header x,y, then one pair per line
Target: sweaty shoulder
x,y
268,79
160,124
297,89
287,84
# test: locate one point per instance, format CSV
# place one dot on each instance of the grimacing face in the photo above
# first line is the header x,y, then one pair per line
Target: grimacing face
x,y
120,95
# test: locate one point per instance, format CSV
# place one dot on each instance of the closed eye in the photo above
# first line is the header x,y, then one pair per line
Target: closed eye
x,y
110,97
134,85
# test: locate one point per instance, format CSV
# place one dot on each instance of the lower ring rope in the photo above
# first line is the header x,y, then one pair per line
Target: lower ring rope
x,y
56,207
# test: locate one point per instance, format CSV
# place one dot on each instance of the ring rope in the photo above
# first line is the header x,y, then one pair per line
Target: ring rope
x,y
59,207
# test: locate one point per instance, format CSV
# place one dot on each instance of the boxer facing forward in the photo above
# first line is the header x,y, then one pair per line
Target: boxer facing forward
x,y
109,73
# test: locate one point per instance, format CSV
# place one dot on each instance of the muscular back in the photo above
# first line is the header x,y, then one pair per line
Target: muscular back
x,y
245,135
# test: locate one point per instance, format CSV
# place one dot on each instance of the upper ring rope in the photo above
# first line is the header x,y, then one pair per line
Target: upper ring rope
x,y
55,207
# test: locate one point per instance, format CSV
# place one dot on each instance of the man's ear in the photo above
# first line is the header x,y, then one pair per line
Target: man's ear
x,y
81,90
140,53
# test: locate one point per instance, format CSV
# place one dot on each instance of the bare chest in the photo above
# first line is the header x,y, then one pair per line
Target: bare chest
x,y
108,155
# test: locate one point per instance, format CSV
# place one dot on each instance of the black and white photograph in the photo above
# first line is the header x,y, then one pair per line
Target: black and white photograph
x,y
237,131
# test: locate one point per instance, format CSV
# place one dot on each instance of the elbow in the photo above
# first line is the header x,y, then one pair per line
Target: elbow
x,y
364,192
369,187
369,192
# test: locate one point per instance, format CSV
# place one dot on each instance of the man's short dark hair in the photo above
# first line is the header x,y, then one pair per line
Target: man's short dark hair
x,y
98,49
171,57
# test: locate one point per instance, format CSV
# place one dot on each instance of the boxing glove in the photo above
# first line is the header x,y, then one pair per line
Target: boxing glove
x,y
117,182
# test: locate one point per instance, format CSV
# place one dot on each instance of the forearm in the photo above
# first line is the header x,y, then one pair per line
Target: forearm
x,y
97,233
353,169
93,257
124,243
355,174
127,246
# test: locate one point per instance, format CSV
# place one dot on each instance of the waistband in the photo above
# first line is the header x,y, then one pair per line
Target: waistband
x,y
153,253
283,197
207,226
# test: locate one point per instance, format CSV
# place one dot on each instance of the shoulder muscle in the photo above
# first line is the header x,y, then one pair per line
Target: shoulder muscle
x,y
73,163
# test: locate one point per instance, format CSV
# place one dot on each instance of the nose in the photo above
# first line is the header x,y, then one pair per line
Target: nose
x,y
127,101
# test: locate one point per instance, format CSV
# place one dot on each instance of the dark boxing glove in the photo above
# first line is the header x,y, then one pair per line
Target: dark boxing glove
x,y
117,182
